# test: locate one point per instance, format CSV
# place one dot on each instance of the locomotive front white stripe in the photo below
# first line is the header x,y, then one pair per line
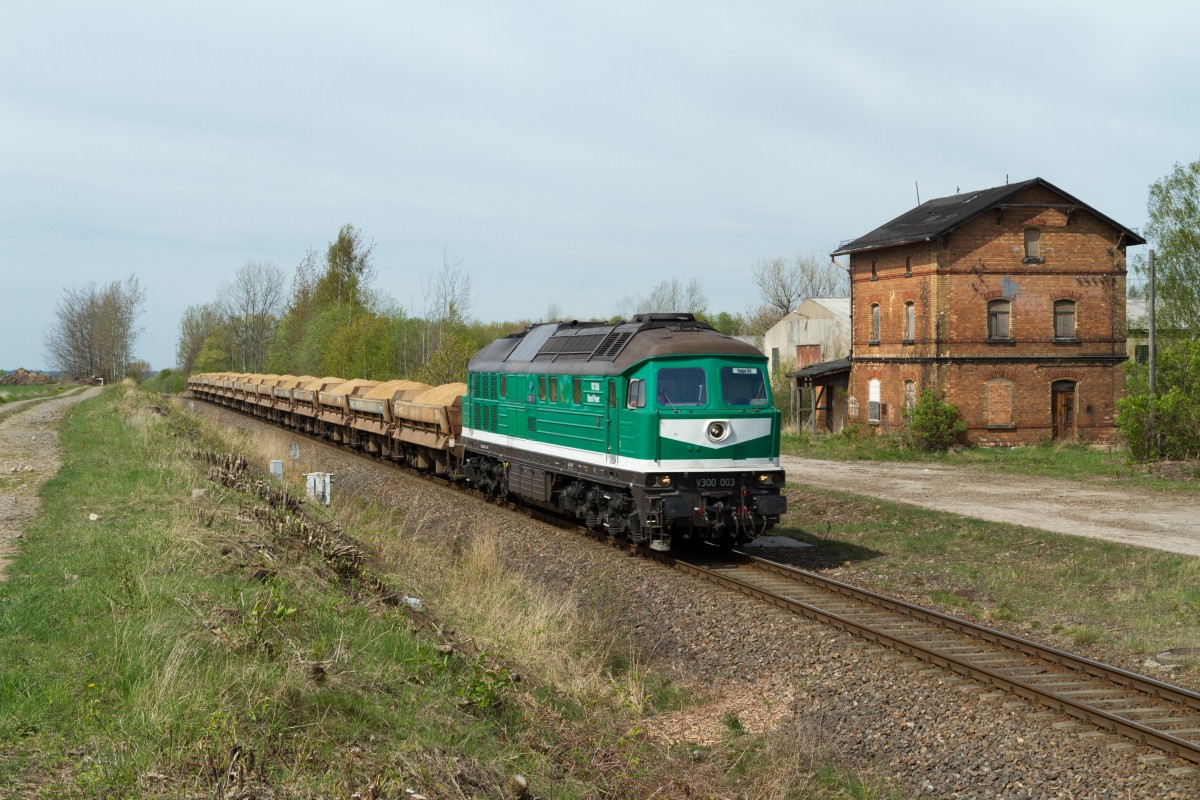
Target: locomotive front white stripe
x,y
695,431
470,435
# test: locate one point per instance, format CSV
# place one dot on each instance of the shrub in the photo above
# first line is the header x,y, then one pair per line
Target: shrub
x,y
934,425
1174,432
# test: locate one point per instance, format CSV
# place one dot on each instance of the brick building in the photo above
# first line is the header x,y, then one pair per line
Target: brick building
x,y
1009,301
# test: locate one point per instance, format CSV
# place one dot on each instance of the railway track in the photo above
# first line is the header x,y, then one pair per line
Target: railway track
x,y
1139,708
1147,711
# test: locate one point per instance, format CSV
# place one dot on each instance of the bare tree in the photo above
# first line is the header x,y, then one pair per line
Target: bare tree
x,y
197,323
448,300
785,283
667,296
95,330
252,302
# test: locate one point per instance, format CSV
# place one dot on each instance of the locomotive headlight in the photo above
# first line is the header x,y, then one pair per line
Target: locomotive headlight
x,y
767,478
664,480
659,481
717,430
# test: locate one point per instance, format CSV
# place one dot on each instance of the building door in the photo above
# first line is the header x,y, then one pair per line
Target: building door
x,y
1062,408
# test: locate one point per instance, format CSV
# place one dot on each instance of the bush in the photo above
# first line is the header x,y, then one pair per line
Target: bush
x,y
934,425
167,381
1175,431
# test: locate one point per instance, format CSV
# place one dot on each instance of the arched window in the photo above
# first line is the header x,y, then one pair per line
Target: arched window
x,y
1033,244
873,400
875,322
997,321
910,321
1064,319
910,397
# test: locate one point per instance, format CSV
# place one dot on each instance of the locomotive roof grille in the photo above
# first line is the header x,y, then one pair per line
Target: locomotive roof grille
x,y
603,348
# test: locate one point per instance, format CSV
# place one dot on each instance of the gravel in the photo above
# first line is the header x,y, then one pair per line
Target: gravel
x,y
29,456
933,732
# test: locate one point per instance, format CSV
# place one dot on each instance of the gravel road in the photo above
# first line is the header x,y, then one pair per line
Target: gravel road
x,y
933,732
1148,519
29,456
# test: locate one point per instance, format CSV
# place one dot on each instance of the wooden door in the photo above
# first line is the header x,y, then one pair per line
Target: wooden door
x,y
1063,409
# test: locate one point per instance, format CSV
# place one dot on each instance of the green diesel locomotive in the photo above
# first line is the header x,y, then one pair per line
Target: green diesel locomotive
x,y
653,430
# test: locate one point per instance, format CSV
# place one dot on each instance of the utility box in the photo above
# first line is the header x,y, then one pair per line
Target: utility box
x,y
319,486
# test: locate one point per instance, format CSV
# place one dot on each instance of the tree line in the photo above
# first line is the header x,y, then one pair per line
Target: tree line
x,y
333,322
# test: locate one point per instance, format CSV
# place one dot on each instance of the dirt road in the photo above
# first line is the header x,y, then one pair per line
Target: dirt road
x,y
1147,519
29,456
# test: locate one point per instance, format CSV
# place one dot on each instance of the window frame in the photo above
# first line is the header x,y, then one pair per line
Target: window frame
x,y
1073,305
910,321
993,314
635,393
1033,246
669,373
875,324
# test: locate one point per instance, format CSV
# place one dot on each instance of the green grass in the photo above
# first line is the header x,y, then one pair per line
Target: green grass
x,y
1085,591
1048,459
172,648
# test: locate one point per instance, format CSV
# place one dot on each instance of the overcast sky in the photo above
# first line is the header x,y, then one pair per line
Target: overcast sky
x,y
566,153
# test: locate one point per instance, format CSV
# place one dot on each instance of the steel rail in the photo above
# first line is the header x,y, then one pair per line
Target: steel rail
x,y
962,665
1156,738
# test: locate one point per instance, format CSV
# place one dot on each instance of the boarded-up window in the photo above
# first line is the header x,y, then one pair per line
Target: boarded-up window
x,y
999,402
998,314
1064,319
910,320
873,400
1033,243
874,322
910,397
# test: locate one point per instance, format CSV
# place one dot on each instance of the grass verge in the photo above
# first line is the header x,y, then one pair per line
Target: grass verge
x,y
1050,459
158,645
1074,591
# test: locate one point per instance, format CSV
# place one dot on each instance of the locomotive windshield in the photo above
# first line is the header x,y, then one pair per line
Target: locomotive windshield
x,y
743,386
682,386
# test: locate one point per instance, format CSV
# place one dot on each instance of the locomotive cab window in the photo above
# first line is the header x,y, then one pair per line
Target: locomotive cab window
x,y
636,397
743,386
682,386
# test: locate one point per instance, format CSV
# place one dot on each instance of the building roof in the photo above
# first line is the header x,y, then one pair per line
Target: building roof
x,y
837,306
941,215
822,369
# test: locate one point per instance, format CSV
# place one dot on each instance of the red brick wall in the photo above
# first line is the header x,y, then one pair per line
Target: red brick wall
x,y
950,284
